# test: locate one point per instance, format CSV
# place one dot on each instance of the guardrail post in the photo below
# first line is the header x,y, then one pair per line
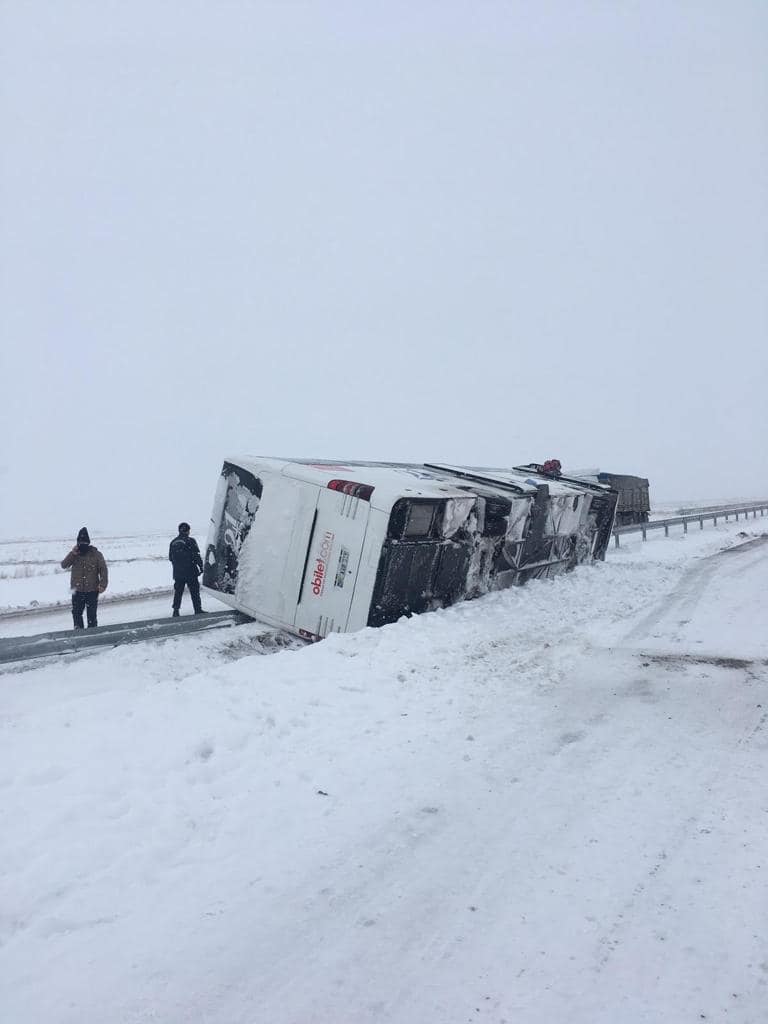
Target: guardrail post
x,y
644,532
726,517
685,526
715,519
616,539
666,529
701,522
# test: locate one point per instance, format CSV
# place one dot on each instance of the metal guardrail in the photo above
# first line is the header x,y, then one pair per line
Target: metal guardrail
x,y
751,508
44,645
695,510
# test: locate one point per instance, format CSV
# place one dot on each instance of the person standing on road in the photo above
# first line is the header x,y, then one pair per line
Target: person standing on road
x,y
88,579
184,555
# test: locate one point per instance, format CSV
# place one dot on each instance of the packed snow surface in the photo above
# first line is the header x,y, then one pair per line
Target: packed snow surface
x,y
544,806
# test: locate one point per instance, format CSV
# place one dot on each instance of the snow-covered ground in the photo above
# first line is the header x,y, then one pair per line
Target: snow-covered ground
x,y
544,806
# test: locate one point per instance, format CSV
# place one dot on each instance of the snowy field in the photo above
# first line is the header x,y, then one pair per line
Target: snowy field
x,y
547,806
31,575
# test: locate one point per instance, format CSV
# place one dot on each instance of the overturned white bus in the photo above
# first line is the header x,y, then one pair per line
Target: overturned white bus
x,y
325,547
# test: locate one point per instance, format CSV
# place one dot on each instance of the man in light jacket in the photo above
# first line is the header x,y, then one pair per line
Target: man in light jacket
x,y
88,579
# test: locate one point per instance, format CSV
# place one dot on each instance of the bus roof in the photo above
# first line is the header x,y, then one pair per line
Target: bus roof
x,y
394,480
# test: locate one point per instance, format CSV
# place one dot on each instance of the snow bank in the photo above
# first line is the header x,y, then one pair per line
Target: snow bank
x,y
492,812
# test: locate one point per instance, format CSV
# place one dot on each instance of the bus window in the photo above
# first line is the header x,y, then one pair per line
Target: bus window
x,y
411,519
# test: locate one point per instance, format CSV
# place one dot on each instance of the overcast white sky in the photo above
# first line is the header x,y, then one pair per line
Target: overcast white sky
x,y
474,232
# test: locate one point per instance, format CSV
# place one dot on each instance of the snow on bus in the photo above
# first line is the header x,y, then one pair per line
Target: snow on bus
x,y
328,547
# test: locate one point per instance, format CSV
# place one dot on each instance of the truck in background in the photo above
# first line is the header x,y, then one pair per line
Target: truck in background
x,y
634,500
634,505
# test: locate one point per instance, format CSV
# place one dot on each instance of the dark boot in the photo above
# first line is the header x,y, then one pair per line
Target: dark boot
x,y
175,613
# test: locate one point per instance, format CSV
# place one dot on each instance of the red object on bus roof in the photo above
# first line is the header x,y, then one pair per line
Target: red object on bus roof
x,y
362,491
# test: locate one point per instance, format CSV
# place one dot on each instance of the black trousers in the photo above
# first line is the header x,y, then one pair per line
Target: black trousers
x,y
194,593
82,599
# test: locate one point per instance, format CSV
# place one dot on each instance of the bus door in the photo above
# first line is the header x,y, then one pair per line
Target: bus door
x,y
332,560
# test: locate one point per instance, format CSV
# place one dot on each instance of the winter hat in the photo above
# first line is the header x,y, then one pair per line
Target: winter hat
x,y
82,537
183,527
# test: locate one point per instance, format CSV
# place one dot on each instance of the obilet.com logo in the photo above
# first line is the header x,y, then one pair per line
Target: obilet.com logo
x,y
320,570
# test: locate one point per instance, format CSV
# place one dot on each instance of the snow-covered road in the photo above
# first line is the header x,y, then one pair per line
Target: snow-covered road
x,y
715,609
526,809
110,612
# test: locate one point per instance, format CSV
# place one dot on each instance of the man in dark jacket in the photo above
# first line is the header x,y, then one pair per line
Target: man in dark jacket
x,y
184,555
88,578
